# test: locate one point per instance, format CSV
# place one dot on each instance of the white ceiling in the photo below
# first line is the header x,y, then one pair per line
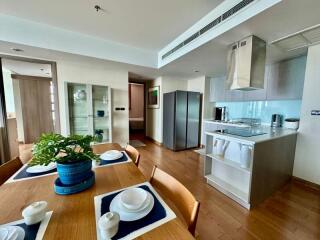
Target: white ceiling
x,y
147,24
283,19
27,68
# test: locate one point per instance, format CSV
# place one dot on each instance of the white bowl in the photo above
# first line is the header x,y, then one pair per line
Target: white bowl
x,y
133,198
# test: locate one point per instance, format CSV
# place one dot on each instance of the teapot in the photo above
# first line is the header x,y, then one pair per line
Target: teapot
x,y
220,146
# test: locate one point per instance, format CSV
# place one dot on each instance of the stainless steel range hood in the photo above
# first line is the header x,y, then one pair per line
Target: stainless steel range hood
x,y
246,64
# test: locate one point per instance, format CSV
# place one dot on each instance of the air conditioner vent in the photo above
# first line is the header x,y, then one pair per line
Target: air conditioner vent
x,y
209,26
194,36
236,8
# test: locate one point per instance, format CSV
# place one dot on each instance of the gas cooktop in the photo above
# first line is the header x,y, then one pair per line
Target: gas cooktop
x,y
242,132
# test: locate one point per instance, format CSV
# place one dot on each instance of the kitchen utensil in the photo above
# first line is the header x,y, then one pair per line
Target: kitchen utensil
x,y
41,168
111,155
127,215
12,233
133,198
291,123
109,225
245,155
35,212
220,146
276,120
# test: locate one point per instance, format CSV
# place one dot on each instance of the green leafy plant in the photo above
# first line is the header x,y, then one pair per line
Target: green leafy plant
x,y
57,148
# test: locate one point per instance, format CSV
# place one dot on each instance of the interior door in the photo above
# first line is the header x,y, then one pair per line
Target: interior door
x,y
35,107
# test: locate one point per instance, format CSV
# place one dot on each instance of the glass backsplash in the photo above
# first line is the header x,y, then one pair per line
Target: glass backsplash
x,y
262,109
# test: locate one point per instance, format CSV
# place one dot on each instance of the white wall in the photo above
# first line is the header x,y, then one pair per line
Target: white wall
x,y
96,72
307,163
155,116
202,84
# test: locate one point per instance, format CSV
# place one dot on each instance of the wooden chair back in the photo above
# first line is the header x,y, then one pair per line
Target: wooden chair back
x,y
9,168
179,195
133,154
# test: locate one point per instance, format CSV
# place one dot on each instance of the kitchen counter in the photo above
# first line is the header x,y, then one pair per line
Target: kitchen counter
x,y
271,133
249,169
224,123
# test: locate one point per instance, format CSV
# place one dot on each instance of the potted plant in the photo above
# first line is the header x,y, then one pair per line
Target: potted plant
x,y
72,154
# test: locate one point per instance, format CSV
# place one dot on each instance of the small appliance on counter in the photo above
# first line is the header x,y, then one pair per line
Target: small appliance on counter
x,y
276,120
220,113
291,123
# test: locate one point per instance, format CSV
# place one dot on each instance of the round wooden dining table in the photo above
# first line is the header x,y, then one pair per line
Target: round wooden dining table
x,y
73,216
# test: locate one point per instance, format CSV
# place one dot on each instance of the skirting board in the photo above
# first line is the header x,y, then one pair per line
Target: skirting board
x,y
306,183
154,141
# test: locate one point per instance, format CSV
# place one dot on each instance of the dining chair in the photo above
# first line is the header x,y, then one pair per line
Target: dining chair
x,y
181,197
9,168
133,154
25,153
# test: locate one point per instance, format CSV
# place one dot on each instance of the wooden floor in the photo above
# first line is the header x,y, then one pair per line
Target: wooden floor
x,y
291,213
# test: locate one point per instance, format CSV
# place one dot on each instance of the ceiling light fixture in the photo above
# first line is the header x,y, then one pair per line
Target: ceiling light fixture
x,y
17,49
196,71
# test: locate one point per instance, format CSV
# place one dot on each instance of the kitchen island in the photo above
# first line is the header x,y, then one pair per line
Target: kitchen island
x,y
269,162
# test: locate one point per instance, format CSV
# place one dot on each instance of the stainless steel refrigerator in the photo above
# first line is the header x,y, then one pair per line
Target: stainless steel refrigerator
x,y
181,120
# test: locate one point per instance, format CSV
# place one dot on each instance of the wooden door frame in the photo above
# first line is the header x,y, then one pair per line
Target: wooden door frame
x,y
3,121
54,77
142,82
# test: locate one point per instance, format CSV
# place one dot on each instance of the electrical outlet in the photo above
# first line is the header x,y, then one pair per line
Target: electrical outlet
x,y
315,112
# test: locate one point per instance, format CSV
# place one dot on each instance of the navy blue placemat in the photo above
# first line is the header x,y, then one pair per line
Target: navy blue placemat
x,y
30,231
124,158
157,213
24,174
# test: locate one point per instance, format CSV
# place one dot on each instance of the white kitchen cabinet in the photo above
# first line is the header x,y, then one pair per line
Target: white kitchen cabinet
x,y
286,79
283,81
219,93
217,89
89,110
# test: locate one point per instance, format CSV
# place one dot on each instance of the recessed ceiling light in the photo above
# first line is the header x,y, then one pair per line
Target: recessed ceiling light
x,y
17,49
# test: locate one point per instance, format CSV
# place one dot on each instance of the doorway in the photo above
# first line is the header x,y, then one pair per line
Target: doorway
x,y
29,105
137,118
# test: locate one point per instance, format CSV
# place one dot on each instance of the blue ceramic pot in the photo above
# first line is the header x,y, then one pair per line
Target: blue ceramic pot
x,y
74,173
62,189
